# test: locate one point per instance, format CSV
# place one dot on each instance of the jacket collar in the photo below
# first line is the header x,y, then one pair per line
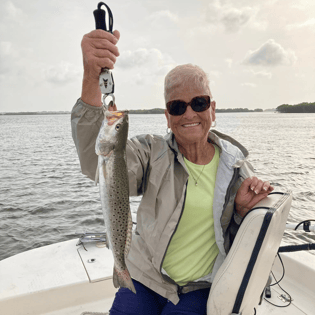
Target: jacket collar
x,y
232,150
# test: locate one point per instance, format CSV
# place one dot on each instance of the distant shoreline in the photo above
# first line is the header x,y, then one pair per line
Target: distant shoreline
x,y
35,113
137,111
299,108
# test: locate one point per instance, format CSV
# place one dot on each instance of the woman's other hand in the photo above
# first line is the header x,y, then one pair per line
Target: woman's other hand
x,y
250,193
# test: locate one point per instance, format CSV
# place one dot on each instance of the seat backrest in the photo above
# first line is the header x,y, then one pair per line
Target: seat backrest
x,y
241,279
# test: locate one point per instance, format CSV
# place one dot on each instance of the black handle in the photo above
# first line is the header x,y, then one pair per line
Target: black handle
x,y
100,16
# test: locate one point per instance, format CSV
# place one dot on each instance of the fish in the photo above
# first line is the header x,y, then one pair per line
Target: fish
x,y
113,181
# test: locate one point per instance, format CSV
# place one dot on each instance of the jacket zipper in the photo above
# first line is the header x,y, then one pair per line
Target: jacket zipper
x,y
232,183
227,198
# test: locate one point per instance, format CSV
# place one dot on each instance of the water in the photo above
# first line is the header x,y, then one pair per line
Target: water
x,y
44,198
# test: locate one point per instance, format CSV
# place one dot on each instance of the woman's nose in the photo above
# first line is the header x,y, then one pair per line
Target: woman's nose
x,y
189,112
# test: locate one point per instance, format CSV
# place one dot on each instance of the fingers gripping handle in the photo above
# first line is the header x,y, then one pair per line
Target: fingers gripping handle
x,y
100,18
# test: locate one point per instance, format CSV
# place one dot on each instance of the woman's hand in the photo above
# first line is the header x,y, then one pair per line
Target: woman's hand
x,y
250,193
99,51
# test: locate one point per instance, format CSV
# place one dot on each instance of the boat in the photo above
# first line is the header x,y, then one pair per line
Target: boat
x,y
75,278
64,279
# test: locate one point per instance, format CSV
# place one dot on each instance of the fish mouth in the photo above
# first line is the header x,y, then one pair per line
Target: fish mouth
x,y
113,116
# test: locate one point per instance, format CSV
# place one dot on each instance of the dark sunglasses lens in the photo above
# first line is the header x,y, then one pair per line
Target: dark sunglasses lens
x,y
200,104
177,108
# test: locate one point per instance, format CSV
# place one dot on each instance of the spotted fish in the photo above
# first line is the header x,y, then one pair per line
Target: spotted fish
x,y
114,191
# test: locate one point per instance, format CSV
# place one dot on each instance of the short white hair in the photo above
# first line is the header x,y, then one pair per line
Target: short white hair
x,y
183,74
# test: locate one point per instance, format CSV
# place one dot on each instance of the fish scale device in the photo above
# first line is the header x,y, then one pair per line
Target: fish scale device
x,y
106,79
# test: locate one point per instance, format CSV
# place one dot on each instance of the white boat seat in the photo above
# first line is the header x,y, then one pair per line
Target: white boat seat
x,y
240,281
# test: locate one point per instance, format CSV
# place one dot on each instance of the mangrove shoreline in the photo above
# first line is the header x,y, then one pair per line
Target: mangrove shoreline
x,y
285,108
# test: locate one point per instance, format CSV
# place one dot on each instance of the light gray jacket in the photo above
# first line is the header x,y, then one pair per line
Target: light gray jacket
x,y
157,171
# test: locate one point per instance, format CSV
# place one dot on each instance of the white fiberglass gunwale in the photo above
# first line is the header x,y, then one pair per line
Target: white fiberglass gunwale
x,y
59,279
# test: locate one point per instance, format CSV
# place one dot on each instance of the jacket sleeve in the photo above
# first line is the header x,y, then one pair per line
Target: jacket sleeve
x,y
246,170
86,121
138,162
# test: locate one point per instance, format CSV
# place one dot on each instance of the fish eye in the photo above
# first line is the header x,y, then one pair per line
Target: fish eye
x,y
117,127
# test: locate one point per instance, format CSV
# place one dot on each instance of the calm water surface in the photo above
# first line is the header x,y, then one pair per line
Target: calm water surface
x,y
44,198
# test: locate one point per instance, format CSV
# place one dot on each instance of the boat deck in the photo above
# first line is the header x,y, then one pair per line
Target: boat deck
x,y
65,279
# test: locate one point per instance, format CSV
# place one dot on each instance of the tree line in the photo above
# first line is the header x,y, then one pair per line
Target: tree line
x,y
218,110
299,108
138,111
237,110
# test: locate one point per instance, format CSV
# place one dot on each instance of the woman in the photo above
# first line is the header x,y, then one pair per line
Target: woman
x,y
196,187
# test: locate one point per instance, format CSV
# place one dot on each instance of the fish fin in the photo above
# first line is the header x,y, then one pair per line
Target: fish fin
x,y
115,278
107,241
129,235
122,279
104,169
96,176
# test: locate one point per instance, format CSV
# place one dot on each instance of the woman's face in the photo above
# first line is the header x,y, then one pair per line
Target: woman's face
x,y
191,127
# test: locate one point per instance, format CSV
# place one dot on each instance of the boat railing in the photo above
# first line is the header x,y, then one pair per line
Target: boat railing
x,y
302,226
306,226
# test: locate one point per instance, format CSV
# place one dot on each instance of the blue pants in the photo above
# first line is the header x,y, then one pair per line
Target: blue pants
x,y
147,302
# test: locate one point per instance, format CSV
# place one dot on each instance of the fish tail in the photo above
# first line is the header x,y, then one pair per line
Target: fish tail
x,y
123,279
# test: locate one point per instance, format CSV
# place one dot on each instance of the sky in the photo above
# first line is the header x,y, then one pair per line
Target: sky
x,y
258,54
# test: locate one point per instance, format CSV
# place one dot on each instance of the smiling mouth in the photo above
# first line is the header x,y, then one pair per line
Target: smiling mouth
x,y
191,125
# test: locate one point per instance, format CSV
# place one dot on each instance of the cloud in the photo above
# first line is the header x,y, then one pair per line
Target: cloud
x,y
247,84
215,73
229,62
62,73
13,11
143,57
234,19
8,57
17,63
260,74
6,49
308,23
147,63
165,18
159,16
139,57
270,54
230,17
10,12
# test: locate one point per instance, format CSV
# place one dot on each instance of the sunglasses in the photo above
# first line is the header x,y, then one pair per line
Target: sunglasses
x,y
198,104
